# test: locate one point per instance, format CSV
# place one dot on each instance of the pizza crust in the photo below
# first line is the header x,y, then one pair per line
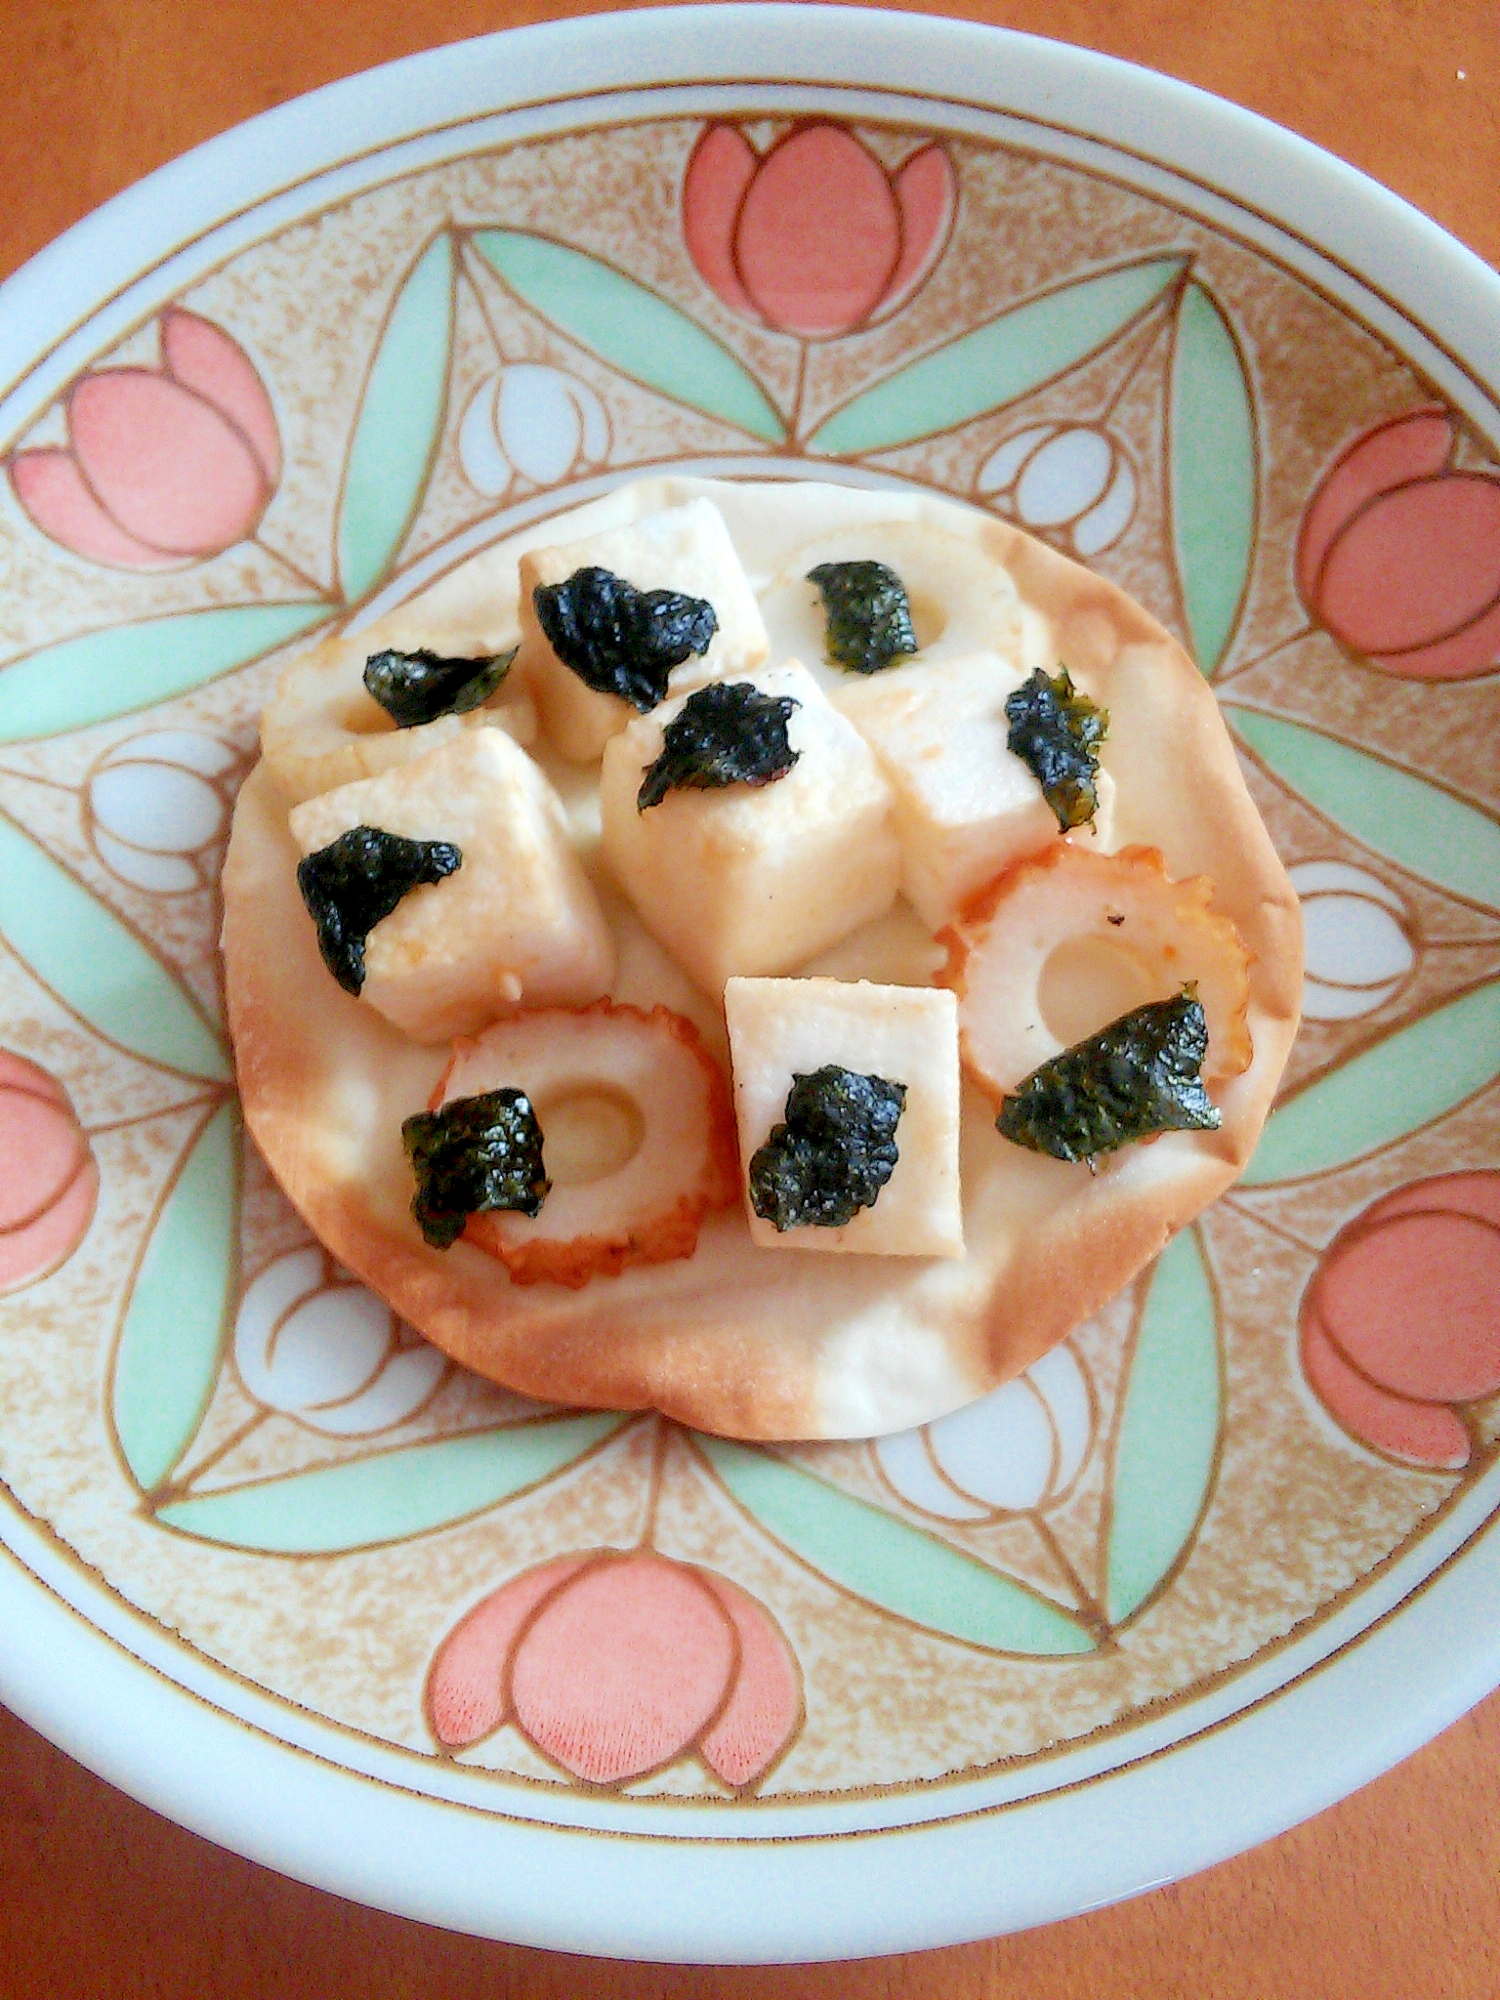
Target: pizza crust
x,y
747,1342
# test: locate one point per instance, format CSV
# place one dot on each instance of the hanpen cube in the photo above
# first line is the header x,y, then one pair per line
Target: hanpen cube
x,y
682,549
516,924
780,1029
754,879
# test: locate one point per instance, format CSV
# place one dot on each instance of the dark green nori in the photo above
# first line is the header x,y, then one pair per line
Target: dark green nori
x,y
1053,730
1141,1074
414,688
833,1155
620,640
359,878
476,1153
728,733
867,613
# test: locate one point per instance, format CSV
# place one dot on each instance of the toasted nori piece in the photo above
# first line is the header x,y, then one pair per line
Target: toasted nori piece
x,y
476,1153
414,688
1141,1074
1053,730
727,733
620,640
867,614
834,1153
359,878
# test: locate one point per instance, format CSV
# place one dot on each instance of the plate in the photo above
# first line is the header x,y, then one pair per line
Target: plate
x,y
594,1682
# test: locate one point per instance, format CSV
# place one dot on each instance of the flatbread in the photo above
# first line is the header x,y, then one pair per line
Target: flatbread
x,y
738,1340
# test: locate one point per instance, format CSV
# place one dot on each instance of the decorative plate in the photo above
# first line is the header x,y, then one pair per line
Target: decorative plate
x,y
588,1680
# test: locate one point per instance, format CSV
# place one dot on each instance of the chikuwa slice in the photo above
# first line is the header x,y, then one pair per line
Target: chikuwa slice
x,y
323,727
1070,941
515,923
684,551
961,597
754,878
826,1073
637,1138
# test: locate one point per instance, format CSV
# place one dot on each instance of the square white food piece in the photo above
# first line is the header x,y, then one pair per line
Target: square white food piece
x,y
686,549
966,806
754,878
517,924
783,1028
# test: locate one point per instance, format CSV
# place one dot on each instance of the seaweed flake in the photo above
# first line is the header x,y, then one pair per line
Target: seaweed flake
x,y
867,614
358,879
414,688
1141,1074
477,1153
620,640
834,1153
728,733
1054,730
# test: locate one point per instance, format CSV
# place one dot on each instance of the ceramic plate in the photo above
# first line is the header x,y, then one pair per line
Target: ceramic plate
x,y
587,1680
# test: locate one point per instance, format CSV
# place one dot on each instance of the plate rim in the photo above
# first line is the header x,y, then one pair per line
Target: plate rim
x,y
627,1895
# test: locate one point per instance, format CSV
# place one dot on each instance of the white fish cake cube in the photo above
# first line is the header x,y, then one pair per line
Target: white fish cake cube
x,y
966,805
780,1029
683,548
518,924
754,878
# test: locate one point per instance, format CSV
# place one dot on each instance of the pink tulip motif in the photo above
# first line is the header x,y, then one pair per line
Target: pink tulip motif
x,y
48,1179
814,237
163,467
1401,1322
615,1665
1399,553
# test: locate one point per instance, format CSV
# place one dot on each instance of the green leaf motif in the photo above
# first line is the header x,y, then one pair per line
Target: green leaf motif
x,y
1167,1445
983,370
1396,1087
97,966
90,679
393,1494
1212,471
177,1320
1415,823
629,327
399,423
891,1564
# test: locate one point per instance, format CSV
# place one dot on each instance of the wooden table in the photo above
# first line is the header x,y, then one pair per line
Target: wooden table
x,y
1395,1892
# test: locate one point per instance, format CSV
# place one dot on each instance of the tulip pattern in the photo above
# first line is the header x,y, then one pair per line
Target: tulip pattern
x,y
165,466
814,237
1399,552
1314,1367
1357,940
536,423
1016,1450
310,1342
48,1179
1401,1323
614,1666
157,808
1073,481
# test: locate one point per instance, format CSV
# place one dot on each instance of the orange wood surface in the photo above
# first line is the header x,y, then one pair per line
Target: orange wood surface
x,y
1396,1892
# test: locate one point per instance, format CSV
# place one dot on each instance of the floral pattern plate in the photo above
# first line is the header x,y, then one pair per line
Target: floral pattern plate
x,y
586,1679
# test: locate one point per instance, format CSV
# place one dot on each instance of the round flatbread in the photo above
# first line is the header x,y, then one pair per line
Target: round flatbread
x,y
737,1339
